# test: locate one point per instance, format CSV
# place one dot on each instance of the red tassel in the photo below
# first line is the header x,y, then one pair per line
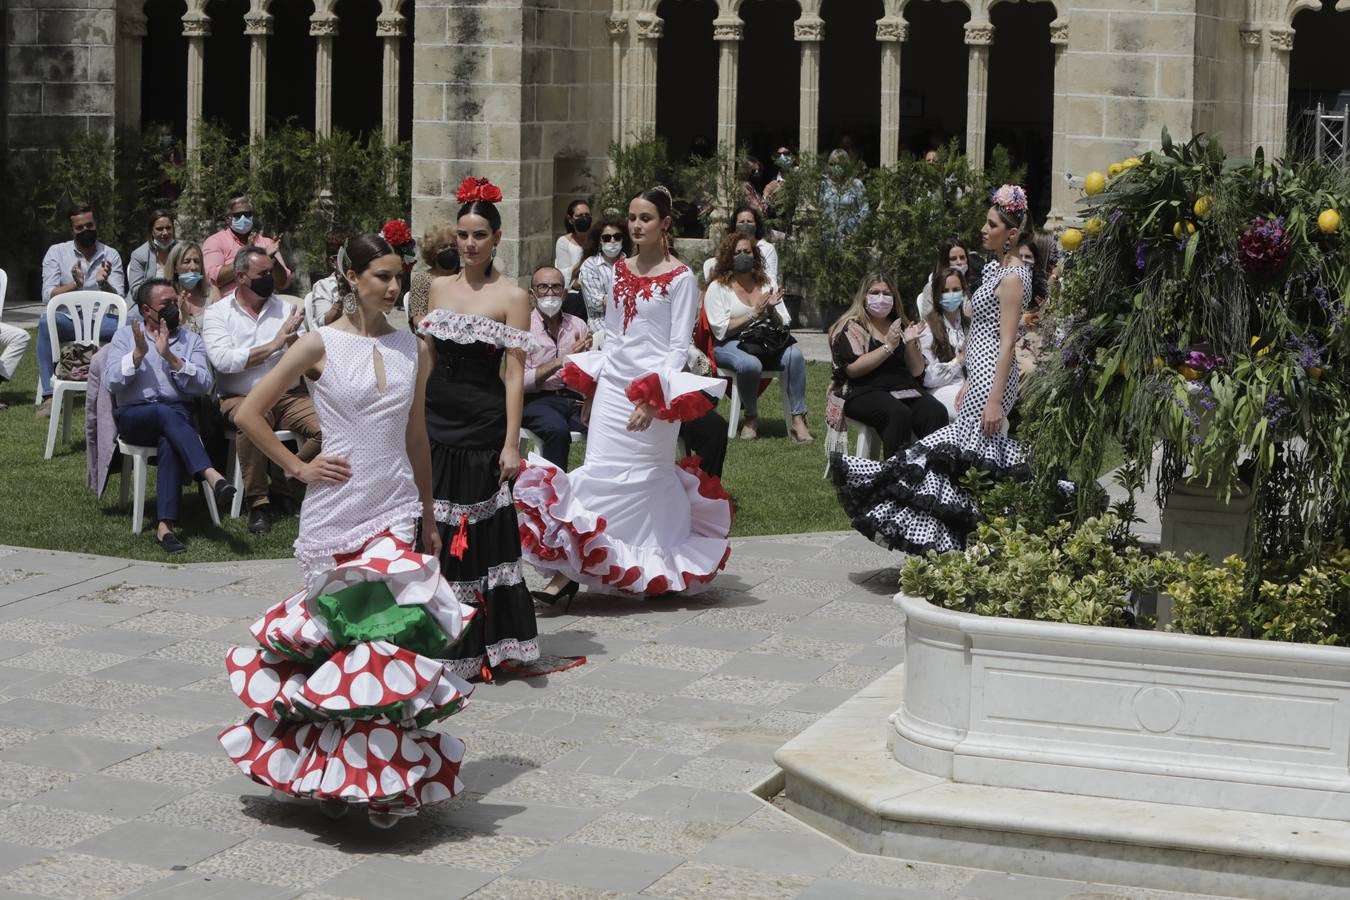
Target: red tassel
x,y
485,673
460,542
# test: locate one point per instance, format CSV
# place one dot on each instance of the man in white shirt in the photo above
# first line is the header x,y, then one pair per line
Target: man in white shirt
x,y
245,333
81,264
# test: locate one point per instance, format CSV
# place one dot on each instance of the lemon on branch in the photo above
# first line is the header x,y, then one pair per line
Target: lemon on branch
x,y
1071,239
1094,183
1202,206
1329,221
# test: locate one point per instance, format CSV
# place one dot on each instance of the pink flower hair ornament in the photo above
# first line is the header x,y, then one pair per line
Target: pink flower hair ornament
x,y
1011,199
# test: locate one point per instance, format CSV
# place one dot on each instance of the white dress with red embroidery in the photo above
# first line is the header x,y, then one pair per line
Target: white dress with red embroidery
x,y
631,520
347,675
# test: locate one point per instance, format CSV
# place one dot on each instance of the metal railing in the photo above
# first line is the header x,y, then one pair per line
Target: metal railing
x,y
1322,135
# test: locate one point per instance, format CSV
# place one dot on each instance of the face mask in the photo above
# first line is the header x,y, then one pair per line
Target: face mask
x,y
163,245
880,304
190,280
263,285
86,239
742,262
952,300
582,223
549,306
448,259
962,267
784,160
241,224
745,227
169,316
612,250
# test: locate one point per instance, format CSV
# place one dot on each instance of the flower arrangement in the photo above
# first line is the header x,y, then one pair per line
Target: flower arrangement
x,y
472,189
397,233
1011,199
1203,316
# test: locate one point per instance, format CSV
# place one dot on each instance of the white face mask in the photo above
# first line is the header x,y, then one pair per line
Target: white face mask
x,y
611,250
549,306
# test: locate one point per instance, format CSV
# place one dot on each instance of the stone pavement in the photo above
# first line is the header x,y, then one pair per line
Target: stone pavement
x,y
628,776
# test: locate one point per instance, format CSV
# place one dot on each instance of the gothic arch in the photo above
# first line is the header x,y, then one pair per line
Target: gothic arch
x,y
1294,7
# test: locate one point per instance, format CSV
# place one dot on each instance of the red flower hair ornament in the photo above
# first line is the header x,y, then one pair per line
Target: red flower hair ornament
x,y
397,233
471,189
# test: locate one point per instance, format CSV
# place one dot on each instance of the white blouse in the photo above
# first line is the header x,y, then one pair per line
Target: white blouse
x,y
722,305
938,374
566,255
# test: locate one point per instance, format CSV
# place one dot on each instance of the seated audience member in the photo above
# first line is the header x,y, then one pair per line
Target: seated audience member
x,y
246,332
609,241
785,161
323,294
951,254
13,342
81,264
750,222
440,251
155,373
943,343
706,438
739,295
241,230
882,388
552,410
150,260
195,293
571,244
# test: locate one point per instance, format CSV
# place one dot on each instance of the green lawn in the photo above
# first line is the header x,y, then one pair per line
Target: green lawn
x,y
776,484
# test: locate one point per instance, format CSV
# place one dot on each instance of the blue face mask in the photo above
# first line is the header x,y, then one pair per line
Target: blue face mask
x,y
190,280
241,224
952,300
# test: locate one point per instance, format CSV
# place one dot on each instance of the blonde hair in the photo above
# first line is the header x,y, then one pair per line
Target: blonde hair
x,y
857,311
176,254
437,235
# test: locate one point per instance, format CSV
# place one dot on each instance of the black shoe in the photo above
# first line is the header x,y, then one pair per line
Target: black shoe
x,y
171,544
260,520
224,492
568,593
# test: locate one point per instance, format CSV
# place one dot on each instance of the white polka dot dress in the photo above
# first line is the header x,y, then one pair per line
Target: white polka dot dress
x,y
347,675
913,501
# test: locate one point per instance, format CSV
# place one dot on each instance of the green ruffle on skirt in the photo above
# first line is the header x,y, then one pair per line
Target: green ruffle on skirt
x,y
368,612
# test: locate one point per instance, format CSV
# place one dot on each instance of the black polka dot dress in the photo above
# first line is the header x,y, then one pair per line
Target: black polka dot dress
x,y
913,501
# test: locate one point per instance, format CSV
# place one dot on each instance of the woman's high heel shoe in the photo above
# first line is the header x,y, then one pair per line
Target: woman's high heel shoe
x,y
568,592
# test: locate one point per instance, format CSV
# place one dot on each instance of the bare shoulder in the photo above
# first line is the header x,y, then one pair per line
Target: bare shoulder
x,y
440,290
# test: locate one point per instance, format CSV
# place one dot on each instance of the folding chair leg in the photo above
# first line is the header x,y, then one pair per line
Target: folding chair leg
x,y
209,497
138,495
52,425
734,413
67,413
126,480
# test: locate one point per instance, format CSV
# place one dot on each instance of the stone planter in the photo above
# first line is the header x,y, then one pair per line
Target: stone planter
x,y
1223,723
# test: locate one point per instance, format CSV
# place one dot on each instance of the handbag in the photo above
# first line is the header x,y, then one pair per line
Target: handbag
x,y
74,362
766,339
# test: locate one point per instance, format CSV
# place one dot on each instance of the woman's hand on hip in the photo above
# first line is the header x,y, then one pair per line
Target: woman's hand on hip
x,y
325,470
641,417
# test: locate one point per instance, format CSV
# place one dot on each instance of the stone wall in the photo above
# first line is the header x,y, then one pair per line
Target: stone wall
x,y
59,70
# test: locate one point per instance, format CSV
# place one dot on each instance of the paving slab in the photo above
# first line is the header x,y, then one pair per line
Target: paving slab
x,y
628,776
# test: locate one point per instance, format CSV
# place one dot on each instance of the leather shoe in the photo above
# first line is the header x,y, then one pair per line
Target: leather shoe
x,y
260,520
224,492
44,410
171,544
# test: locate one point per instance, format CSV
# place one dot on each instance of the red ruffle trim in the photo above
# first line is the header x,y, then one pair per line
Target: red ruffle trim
x,y
576,378
532,526
709,486
684,408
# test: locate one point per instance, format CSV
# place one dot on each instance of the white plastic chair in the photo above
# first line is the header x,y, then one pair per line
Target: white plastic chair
x,y
734,415
869,441
533,443
236,473
4,286
86,310
135,460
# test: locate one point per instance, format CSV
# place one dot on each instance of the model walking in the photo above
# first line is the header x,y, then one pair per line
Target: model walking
x,y
351,669
631,520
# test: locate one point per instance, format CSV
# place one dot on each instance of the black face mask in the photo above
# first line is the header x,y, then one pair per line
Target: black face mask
x,y
582,224
169,316
448,259
263,285
87,239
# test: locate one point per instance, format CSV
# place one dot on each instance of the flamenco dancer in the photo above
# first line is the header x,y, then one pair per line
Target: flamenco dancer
x,y
473,409
350,670
630,520
913,501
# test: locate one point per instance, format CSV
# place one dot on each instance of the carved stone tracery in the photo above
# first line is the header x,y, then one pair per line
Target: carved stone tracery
x,y
196,26
324,27
980,34
1251,37
391,25
809,29
258,23
617,26
1282,39
651,29
1059,32
728,29
892,30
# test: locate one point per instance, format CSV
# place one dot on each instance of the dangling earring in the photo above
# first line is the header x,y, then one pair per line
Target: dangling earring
x,y
350,305
665,245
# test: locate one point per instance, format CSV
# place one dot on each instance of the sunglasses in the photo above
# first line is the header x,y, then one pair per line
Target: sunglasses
x,y
611,239
242,214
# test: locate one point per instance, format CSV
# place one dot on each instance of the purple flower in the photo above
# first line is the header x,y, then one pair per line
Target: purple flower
x,y
1205,397
1274,410
1262,249
1140,256
1309,350
1116,216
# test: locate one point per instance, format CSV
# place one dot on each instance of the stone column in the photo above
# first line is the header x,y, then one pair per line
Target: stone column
x,y
390,27
979,35
1061,202
618,30
258,26
891,32
809,32
130,37
323,27
649,31
727,32
1281,42
196,28
1251,50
